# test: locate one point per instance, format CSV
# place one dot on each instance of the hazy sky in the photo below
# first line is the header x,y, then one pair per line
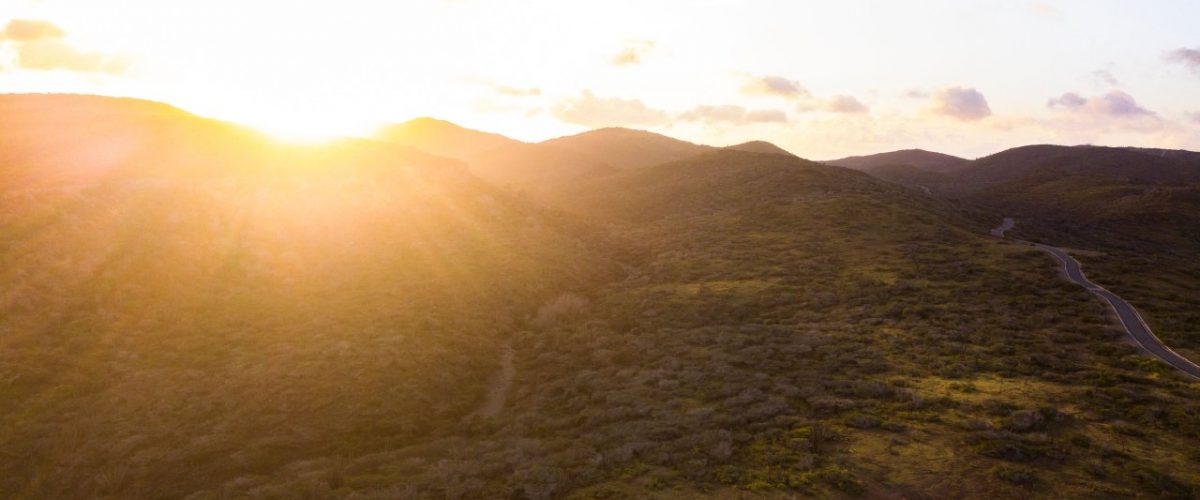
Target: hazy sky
x,y
822,79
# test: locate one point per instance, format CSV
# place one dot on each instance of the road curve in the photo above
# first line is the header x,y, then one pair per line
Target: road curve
x,y
1135,326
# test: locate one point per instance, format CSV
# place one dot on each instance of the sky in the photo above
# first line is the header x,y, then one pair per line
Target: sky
x,y
823,79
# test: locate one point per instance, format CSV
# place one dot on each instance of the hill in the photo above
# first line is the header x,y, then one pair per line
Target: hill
x,y
288,305
379,323
915,158
443,138
541,168
759,147
536,167
794,320
628,148
1136,212
61,139
1046,161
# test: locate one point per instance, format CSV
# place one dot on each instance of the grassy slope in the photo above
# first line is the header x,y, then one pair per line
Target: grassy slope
x,y
804,329
166,333
780,326
1138,239
1130,214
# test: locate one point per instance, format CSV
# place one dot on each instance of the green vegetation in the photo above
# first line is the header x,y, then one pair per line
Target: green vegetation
x,y
729,324
1136,238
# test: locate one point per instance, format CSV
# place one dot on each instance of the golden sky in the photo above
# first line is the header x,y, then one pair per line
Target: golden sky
x,y
822,79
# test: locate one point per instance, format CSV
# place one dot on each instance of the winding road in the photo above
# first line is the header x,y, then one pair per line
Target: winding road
x,y
1135,326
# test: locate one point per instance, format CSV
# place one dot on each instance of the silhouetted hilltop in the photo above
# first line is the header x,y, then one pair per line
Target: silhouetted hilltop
x,y
443,138
723,180
541,167
63,138
1050,160
919,158
628,148
759,147
362,291
59,140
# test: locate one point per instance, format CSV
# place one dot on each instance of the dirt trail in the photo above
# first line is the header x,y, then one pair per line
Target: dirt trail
x,y
499,385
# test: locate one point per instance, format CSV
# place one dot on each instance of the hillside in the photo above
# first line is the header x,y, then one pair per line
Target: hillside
x,y
915,158
628,148
53,139
543,168
377,322
536,167
759,147
443,138
1134,213
1145,166
166,333
804,329
1131,212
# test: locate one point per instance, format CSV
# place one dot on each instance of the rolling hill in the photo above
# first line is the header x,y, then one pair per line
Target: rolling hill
x,y
1045,161
443,138
793,322
759,147
53,139
329,302
535,168
1134,213
628,148
721,323
915,158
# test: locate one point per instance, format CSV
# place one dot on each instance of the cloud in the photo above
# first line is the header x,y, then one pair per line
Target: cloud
x,y
916,94
710,114
964,104
633,53
1185,56
766,116
1043,9
1115,104
1193,117
732,114
517,91
502,89
774,86
845,104
592,111
1067,100
55,54
1105,76
26,30
837,104
38,45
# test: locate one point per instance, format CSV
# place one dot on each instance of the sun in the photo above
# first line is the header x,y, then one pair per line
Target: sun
x,y
308,128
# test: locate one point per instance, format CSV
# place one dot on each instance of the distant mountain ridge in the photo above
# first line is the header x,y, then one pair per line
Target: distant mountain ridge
x,y
443,138
629,148
1141,165
763,147
919,158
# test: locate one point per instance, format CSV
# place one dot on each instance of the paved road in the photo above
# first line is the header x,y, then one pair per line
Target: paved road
x,y
1135,326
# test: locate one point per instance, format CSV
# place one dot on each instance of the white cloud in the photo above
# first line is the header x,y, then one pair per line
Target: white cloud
x,y
777,86
592,111
961,103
